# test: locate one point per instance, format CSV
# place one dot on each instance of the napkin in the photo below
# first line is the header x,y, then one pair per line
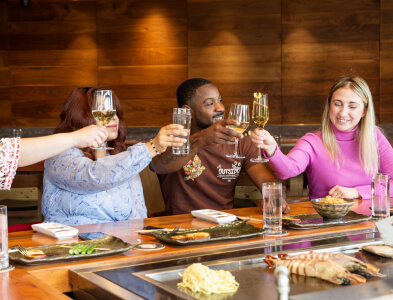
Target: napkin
x,y
385,228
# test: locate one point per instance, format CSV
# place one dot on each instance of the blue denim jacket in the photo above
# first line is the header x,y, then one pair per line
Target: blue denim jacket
x,y
78,190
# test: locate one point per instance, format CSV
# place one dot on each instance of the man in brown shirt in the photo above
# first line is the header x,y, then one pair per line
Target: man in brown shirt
x,y
206,178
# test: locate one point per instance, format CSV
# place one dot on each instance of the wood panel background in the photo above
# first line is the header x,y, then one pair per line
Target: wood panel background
x,y
143,49
322,40
386,62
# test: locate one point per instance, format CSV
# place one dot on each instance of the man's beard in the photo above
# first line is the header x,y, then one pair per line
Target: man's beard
x,y
202,125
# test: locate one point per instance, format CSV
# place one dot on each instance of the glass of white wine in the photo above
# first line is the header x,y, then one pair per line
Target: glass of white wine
x,y
238,112
260,116
103,110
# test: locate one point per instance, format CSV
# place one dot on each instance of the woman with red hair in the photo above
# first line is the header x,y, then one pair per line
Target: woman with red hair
x,y
85,186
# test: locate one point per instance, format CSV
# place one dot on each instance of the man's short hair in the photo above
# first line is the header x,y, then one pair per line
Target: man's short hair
x,y
187,89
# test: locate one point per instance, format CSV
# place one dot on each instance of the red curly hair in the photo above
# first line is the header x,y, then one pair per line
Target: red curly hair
x,y
76,114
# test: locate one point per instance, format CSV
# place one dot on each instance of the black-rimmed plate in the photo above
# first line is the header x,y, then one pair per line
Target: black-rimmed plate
x,y
234,230
59,252
309,221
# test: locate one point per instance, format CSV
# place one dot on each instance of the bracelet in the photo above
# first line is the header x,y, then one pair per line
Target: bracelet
x,y
154,147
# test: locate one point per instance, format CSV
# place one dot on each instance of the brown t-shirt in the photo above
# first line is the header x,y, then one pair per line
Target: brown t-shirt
x,y
208,180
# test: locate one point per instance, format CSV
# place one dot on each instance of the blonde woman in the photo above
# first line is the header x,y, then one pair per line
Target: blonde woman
x,y
340,159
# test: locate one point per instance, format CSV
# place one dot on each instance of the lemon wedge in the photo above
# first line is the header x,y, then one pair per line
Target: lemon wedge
x,y
257,95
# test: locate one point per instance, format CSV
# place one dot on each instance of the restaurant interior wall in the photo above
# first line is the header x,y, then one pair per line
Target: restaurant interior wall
x,y
143,49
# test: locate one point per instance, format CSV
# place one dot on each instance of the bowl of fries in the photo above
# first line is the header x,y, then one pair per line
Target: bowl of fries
x,y
332,208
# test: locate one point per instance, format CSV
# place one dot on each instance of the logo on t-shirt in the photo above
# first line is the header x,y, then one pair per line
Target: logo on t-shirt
x,y
231,173
193,168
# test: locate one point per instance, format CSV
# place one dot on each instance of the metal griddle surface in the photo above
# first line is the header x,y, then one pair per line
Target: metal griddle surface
x,y
256,279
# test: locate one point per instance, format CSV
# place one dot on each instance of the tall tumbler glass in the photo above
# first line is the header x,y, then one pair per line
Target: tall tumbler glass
x,y
272,208
380,196
182,116
4,261
17,132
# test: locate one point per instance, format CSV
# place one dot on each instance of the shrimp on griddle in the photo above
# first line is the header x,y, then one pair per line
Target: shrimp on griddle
x,y
351,264
323,269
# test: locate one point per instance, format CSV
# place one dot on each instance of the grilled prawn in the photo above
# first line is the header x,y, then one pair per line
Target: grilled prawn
x,y
351,264
323,269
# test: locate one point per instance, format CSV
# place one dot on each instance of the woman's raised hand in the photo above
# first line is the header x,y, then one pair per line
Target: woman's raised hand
x,y
90,136
264,140
166,137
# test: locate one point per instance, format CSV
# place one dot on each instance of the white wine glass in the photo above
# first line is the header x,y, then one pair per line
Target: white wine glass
x,y
260,116
103,110
238,112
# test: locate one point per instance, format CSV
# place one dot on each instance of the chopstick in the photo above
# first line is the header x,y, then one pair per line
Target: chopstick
x,y
148,231
65,246
250,220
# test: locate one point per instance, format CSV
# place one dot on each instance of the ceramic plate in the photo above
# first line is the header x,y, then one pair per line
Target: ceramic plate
x,y
234,230
315,221
59,252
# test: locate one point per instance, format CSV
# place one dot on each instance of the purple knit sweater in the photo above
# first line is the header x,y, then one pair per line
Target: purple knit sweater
x,y
310,156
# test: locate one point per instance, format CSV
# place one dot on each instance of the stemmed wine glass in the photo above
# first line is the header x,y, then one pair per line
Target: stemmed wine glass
x,y
103,110
238,112
260,116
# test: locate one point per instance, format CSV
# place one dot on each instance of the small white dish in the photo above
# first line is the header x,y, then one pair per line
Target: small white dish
x,y
56,230
214,216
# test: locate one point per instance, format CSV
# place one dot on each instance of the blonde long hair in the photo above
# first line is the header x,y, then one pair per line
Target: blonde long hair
x,y
365,134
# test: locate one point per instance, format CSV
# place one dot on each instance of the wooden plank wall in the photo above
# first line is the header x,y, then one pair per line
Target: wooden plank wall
x,y
52,49
136,48
143,49
386,62
5,71
322,40
142,55
237,46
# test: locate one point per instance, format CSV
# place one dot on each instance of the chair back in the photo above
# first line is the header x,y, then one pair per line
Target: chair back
x,y
152,192
24,198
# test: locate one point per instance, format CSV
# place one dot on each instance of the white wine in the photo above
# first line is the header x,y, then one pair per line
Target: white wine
x,y
103,116
241,128
239,113
260,114
260,121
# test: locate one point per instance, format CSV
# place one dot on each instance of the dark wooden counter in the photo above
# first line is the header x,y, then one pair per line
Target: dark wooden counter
x,y
49,281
